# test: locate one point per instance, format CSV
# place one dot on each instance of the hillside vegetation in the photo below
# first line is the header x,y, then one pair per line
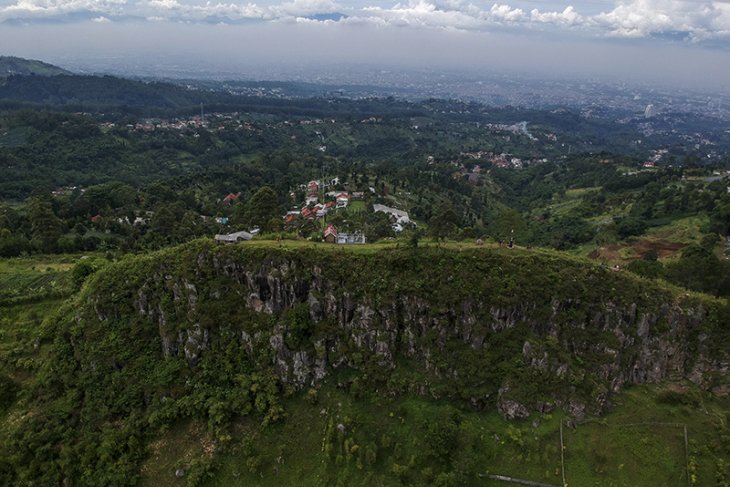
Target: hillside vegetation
x,y
228,348
12,66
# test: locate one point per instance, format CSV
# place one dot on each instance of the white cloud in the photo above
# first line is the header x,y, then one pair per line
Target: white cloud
x,y
298,8
643,18
164,4
418,13
695,20
505,13
567,17
192,12
50,8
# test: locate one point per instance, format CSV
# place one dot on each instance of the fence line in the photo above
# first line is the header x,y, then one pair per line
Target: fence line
x,y
686,455
678,425
562,453
505,478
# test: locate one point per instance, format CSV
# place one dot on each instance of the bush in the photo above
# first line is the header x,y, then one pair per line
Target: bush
x,y
9,390
630,226
646,268
13,246
83,269
299,325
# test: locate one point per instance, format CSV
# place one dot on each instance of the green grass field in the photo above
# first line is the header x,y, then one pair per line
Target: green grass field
x,y
31,289
35,276
357,207
331,438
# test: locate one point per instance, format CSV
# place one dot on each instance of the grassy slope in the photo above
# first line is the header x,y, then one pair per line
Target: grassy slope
x,y
601,452
31,289
667,240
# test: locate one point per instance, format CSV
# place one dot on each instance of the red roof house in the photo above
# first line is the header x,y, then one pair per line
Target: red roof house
x,y
330,234
231,198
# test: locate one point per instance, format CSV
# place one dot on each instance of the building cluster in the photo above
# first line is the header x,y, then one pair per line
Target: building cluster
x,y
503,160
320,198
318,202
67,190
655,157
517,129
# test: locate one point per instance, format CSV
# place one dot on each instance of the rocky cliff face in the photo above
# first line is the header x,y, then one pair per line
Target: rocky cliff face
x,y
520,346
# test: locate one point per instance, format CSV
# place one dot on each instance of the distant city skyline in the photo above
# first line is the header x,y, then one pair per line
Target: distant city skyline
x,y
679,42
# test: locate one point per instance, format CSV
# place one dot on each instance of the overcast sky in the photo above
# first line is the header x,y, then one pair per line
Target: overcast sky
x,y
685,42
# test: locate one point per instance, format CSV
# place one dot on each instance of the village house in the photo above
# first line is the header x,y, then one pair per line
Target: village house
x,y
330,234
291,216
234,237
320,210
342,200
399,218
357,238
231,198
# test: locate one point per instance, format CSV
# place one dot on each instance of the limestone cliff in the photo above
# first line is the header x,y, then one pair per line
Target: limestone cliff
x,y
520,331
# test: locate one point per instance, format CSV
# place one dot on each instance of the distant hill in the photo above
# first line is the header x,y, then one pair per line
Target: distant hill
x,y
111,94
10,66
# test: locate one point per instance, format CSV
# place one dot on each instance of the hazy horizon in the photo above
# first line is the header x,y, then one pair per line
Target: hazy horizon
x,y
673,44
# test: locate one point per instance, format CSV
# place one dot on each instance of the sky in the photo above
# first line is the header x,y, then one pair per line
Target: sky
x,y
680,42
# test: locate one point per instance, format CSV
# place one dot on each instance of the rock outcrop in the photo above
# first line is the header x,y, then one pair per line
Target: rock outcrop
x,y
475,325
